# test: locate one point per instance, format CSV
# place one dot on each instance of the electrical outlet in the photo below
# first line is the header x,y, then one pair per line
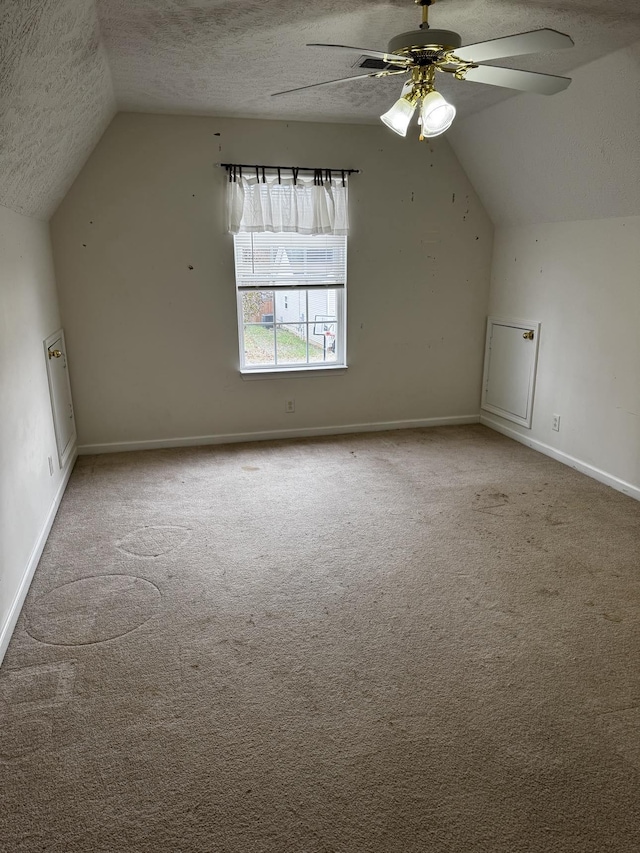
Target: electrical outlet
x,y
51,466
290,406
555,422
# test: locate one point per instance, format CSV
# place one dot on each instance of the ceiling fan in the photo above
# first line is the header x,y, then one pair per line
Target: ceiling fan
x,y
421,53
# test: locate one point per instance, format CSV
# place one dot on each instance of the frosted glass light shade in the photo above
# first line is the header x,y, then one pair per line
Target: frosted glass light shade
x,y
437,115
399,116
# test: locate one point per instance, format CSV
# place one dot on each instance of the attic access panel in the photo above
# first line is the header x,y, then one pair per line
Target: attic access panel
x,y
55,353
510,363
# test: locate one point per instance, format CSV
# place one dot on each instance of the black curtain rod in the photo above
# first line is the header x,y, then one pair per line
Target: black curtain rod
x,y
291,168
234,170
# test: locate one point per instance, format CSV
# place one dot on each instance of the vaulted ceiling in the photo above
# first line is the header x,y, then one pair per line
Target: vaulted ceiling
x,y
56,99
66,66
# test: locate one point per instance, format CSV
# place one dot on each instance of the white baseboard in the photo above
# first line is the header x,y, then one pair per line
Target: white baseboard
x,y
271,435
565,458
6,630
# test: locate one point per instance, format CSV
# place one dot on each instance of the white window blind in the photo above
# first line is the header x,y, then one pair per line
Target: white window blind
x,y
266,261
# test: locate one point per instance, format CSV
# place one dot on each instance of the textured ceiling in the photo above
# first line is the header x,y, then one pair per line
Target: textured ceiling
x,y
227,56
56,99
61,60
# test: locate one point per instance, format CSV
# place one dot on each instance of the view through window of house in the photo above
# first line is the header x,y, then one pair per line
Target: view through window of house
x,y
291,300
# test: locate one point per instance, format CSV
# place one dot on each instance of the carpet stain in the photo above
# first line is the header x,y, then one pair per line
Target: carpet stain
x,y
92,610
496,502
40,686
154,541
548,593
612,617
489,509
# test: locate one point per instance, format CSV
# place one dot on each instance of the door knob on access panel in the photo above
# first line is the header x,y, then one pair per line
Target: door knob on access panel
x,y
528,336
54,353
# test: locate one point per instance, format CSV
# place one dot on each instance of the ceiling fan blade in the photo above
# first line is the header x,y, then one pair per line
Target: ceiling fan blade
x,y
511,78
391,58
535,41
340,80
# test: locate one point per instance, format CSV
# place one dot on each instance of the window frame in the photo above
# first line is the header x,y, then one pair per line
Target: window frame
x,y
308,367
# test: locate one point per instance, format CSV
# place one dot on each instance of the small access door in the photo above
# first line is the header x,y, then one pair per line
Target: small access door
x,y
60,390
510,361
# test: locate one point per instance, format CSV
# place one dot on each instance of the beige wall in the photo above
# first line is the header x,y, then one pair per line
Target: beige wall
x,y
28,315
153,345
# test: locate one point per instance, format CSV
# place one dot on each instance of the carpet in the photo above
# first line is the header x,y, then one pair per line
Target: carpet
x,y
420,640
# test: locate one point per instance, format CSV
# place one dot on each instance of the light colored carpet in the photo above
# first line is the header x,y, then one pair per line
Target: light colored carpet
x,y
423,640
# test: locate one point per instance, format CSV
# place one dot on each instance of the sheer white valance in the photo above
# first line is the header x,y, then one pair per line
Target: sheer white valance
x,y
307,204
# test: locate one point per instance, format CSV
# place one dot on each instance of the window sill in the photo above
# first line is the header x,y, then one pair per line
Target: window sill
x,y
293,372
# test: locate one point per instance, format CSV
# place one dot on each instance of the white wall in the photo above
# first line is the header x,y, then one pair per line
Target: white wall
x,y
561,179
153,345
566,157
581,280
28,493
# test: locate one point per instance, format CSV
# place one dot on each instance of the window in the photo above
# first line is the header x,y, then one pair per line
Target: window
x,y
291,300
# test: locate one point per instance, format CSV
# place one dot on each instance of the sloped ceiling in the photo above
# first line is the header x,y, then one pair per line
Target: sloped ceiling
x,y
56,98
62,60
572,157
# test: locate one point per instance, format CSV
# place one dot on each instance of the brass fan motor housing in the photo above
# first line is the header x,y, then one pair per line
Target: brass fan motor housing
x,y
434,41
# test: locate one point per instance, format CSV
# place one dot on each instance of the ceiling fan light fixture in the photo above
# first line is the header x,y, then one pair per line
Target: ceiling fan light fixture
x,y
400,115
436,115
424,52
